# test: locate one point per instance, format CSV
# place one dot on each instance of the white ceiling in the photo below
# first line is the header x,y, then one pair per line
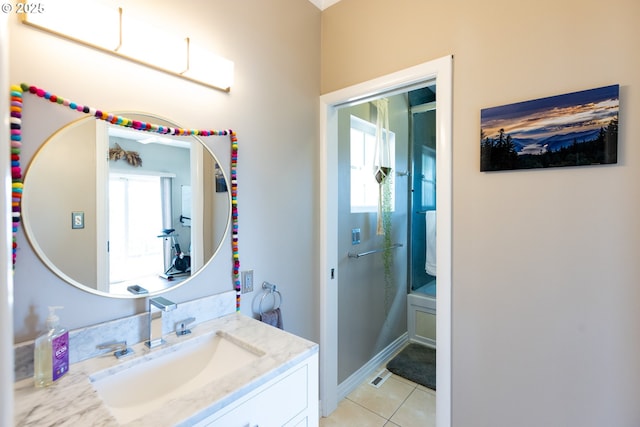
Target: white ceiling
x,y
323,4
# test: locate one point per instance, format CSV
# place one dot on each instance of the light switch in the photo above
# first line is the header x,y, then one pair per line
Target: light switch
x,y
77,219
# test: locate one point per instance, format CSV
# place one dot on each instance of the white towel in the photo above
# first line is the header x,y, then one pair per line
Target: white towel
x,y
430,243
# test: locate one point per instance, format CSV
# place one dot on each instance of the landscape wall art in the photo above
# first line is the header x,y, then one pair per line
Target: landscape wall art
x,y
575,129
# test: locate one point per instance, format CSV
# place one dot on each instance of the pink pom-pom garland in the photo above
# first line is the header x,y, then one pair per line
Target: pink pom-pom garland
x,y
16,172
16,101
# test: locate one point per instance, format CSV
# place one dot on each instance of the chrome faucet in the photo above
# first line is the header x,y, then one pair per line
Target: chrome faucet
x,y
157,306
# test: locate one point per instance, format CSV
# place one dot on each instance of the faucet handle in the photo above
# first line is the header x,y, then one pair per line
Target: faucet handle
x,y
181,326
119,348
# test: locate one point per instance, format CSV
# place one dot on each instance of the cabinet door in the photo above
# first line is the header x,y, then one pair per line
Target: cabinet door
x,y
275,406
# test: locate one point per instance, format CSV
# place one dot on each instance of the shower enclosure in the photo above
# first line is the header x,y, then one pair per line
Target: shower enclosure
x,y
421,300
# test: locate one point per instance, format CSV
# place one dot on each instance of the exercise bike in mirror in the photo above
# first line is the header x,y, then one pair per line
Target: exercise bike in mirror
x,y
125,213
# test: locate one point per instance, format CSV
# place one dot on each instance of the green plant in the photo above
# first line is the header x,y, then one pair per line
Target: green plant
x,y
387,254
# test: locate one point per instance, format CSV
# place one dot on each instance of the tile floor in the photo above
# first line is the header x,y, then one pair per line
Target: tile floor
x,y
396,403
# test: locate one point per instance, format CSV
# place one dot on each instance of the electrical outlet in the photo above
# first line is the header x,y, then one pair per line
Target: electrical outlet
x,y
247,281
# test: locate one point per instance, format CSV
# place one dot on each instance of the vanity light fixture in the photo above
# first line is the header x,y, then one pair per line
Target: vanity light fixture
x,y
110,30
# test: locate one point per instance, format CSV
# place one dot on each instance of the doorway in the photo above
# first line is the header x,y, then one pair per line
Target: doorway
x,y
440,72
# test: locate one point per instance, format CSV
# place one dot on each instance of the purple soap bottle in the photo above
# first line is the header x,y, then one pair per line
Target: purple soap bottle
x,y
51,352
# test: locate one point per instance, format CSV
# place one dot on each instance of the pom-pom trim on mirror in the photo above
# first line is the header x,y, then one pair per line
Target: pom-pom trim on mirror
x,y
16,101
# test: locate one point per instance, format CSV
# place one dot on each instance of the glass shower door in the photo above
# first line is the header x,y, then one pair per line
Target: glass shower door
x,y
371,309
423,199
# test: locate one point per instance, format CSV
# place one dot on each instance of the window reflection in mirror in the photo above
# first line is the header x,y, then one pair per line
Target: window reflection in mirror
x,y
149,181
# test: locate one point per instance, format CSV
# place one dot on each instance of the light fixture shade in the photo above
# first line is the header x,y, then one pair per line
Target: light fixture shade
x,y
150,44
111,29
204,65
87,22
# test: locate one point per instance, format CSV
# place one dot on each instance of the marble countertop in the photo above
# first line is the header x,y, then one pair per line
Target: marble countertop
x,y
72,400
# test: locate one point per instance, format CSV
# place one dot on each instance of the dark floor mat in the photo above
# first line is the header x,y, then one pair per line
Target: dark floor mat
x,y
416,363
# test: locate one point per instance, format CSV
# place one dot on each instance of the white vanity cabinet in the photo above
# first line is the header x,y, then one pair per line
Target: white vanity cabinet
x,y
290,399
277,388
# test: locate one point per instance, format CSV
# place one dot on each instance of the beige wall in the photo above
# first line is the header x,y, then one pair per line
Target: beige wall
x,y
64,181
545,277
273,106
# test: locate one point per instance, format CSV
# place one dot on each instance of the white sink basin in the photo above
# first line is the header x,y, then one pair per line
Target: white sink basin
x,y
144,387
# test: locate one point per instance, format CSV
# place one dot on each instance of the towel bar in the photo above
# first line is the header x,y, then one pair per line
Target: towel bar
x,y
269,290
375,251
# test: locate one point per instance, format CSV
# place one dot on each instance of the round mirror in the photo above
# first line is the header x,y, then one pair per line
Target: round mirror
x,y
125,213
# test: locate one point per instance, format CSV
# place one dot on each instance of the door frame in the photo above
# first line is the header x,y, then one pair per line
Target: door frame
x,y
440,70
6,235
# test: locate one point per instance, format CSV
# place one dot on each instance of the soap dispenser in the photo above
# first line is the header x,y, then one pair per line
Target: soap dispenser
x,y
51,352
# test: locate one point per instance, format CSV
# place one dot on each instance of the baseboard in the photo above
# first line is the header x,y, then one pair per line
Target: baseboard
x,y
369,368
424,341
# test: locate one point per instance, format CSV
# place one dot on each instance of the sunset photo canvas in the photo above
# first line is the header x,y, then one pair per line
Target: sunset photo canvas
x,y
574,129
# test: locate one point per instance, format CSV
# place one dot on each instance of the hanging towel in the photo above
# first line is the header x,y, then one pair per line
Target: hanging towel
x,y
430,263
272,317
